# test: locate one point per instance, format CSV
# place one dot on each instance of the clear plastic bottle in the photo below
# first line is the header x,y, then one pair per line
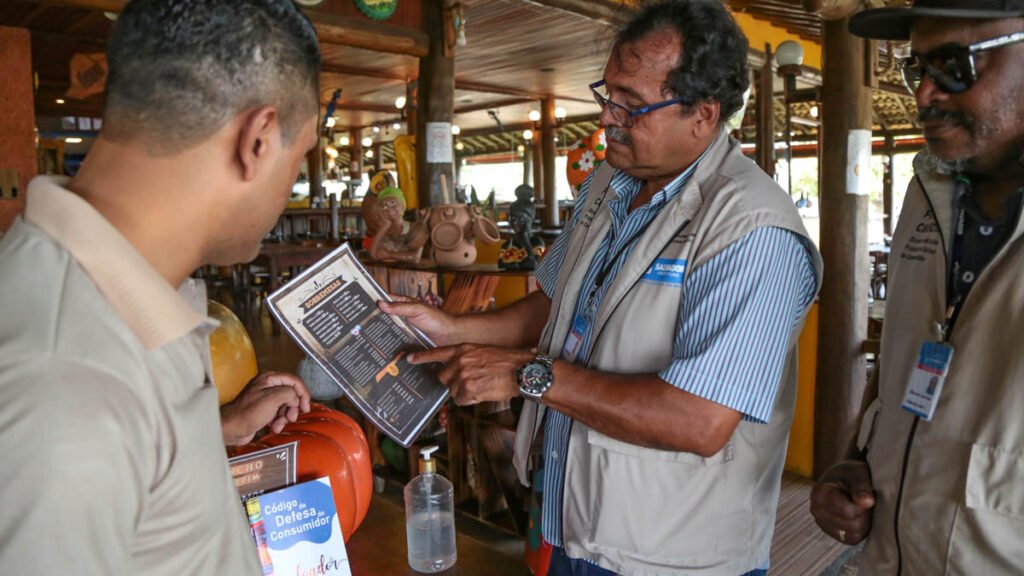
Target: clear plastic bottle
x,y
430,518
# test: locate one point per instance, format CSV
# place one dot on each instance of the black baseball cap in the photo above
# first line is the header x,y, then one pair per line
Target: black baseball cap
x,y
894,23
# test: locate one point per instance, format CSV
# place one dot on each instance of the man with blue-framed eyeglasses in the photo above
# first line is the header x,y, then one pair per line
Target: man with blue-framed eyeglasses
x,y
936,479
666,323
622,114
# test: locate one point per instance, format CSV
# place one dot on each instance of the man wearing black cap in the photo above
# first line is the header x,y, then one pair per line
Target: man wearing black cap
x,y
938,484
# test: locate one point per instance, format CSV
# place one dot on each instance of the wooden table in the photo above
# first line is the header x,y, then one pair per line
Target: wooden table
x,y
378,548
280,257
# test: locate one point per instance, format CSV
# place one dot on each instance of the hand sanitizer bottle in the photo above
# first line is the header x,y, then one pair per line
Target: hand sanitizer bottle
x,y
430,518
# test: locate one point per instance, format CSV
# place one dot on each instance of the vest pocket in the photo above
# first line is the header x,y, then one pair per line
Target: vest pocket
x,y
995,481
986,531
665,508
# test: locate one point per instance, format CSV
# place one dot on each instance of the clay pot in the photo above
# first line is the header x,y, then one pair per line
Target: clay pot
x,y
453,231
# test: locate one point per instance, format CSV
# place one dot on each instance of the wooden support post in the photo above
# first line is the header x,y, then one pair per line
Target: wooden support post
x,y
18,161
335,219
411,107
549,218
355,146
378,156
314,161
765,136
887,183
846,106
538,167
436,100
528,168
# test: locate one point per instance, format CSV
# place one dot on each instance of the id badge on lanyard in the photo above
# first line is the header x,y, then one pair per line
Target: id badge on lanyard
x,y
933,361
926,380
580,326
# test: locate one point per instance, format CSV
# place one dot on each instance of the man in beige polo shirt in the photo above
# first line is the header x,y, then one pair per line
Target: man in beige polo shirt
x,y
112,441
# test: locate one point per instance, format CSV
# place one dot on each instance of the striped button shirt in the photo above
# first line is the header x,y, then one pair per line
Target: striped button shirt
x,y
736,315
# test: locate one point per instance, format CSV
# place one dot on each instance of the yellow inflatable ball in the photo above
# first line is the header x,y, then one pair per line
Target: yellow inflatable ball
x,y
231,353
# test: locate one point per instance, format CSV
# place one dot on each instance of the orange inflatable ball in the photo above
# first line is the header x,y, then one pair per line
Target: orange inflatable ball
x,y
353,446
350,436
329,444
231,353
319,456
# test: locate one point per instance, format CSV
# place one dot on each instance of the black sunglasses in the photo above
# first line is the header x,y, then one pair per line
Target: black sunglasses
x,y
951,68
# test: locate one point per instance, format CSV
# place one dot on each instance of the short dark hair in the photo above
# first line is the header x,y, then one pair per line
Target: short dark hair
x,y
181,69
714,50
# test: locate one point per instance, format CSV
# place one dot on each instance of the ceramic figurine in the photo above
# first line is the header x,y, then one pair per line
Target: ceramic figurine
x,y
378,182
396,240
523,250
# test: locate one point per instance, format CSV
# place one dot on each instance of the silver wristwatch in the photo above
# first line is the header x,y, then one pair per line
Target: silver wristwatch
x,y
536,377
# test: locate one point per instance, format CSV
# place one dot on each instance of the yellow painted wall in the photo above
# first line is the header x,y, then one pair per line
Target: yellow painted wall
x,y
800,458
761,31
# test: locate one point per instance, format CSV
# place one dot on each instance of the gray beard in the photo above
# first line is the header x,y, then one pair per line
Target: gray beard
x,y
943,166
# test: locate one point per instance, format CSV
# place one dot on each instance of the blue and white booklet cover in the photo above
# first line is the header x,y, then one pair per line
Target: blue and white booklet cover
x,y
297,531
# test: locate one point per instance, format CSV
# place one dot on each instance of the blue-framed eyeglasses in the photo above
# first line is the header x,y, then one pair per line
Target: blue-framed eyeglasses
x,y
622,114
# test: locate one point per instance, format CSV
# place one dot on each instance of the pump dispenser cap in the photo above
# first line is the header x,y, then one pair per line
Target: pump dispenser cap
x,y
427,464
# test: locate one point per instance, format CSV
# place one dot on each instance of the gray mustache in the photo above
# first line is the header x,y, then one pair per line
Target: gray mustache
x,y
617,134
930,113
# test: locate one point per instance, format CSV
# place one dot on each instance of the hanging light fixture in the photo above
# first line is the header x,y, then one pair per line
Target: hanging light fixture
x,y
367,142
376,129
400,102
456,130
343,141
534,115
527,134
397,125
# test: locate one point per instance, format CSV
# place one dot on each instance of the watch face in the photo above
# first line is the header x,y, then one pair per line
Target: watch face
x,y
536,376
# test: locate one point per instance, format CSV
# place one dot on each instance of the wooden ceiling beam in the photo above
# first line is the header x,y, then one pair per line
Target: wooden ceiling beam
x,y
31,17
460,84
494,105
363,106
364,72
105,5
894,89
518,127
330,29
89,41
471,86
609,13
369,35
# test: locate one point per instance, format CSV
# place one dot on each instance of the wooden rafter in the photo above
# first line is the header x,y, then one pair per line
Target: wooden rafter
x,y
330,28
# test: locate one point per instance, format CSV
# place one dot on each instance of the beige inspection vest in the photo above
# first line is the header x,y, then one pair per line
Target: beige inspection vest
x,y
962,509
642,511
